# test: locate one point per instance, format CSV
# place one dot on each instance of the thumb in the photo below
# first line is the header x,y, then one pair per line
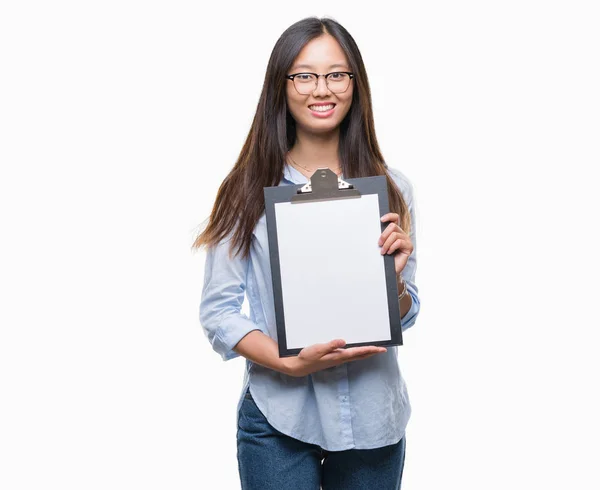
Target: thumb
x,y
333,345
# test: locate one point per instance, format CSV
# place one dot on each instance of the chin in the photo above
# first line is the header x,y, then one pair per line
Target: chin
x,y
323,128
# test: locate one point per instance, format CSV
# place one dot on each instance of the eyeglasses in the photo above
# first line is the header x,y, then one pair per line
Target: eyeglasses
x,y
306,83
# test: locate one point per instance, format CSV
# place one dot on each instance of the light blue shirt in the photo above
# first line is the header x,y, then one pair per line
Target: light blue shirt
x,y
360,404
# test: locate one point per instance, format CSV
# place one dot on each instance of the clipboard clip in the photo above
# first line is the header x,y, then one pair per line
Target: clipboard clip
x,y
325,185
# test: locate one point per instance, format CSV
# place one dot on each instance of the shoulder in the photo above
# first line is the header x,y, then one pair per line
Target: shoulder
x,y
403,183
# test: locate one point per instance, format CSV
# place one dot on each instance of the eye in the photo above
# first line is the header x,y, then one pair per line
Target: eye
x,y
304,77
337,76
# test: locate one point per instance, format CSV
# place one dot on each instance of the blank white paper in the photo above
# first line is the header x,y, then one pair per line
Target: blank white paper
x,y
332,271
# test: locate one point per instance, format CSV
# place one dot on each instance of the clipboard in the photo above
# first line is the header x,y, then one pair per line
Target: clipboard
x,y
329,277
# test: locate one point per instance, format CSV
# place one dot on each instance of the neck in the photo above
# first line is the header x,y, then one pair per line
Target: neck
x,y
316,150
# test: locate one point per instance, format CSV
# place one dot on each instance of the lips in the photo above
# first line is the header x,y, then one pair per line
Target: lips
x,y
322,110
322,107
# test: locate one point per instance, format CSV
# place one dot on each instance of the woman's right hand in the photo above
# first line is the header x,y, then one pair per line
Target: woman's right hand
x,y
322,356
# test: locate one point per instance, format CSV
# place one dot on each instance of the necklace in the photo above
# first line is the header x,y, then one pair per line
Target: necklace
x,y
308,169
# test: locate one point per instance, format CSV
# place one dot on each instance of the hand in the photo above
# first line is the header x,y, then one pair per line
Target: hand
x,y
322,356
393,238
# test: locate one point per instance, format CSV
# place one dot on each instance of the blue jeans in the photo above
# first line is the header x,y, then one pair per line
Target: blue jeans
x,y
269,459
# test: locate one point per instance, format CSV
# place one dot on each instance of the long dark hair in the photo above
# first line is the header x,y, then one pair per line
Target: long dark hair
x,y
240,200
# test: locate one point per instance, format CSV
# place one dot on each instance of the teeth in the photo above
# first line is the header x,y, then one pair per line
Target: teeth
x,y
321,108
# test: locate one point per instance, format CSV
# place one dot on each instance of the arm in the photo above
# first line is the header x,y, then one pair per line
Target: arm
x,y
230,332
410,305
263,350
408,273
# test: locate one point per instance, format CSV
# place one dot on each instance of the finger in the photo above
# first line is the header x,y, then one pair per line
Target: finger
x,y
391,228
344,355
363,356
319,350
376,350
405,242
337,362
331,346
391,217
361,351
402,244
387,238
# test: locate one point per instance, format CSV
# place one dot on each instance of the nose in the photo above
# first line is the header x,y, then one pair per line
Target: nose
x,y
321,88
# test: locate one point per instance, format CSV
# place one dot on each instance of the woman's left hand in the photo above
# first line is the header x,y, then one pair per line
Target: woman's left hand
x,y
393,238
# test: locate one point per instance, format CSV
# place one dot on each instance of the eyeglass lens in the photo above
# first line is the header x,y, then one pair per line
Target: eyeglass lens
x,y
306,83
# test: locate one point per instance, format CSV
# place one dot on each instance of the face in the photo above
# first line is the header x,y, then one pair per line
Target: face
x,y
321,55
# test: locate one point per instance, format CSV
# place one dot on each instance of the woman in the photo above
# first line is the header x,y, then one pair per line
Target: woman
x,y
331,416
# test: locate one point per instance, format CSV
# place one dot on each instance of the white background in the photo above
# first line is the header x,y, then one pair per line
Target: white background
x,y
118,122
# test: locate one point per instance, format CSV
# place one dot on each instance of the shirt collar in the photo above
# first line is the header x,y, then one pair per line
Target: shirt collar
x,y
295,176
292,175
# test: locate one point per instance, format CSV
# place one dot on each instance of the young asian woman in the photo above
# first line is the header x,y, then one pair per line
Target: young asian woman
x,y
331,417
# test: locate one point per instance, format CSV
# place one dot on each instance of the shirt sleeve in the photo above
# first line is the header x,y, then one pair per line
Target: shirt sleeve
x,y
222,297
409,272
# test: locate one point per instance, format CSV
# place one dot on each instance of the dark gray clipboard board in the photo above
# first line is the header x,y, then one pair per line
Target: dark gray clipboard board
x,y
320,191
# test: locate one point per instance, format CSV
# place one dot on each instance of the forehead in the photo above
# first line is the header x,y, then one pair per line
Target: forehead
x,y
321,53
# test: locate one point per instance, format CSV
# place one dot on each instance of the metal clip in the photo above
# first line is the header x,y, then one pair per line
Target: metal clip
x,y
342,184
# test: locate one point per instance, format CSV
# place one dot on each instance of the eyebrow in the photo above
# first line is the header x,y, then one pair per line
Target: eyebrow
x,y
310,67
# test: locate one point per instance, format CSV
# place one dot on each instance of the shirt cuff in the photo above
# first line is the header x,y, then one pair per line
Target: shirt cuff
x,y
409,319
230,332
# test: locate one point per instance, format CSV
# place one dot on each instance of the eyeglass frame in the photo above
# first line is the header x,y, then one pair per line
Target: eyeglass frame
x,y
291,77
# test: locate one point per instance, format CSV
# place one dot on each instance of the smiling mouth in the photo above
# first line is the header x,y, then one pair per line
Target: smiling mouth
x,y
321,108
